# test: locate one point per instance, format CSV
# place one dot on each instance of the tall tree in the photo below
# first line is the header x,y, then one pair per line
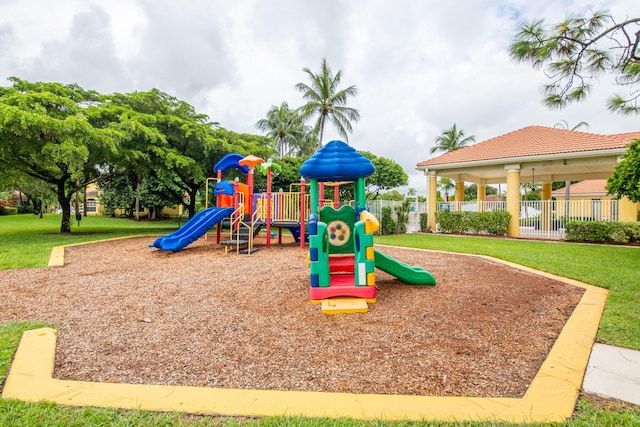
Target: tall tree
x,y
452,139
389,174
185,163
564,125
327,101
45,134
446,185
144,147
625,180
471,191
286,128
180,158
290,173
567,184
575,51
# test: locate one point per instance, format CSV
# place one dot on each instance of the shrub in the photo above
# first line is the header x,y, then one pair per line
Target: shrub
x,y
387,224
450,222
497,223
602,232
424,221
402,216
25,209
494,223
5,210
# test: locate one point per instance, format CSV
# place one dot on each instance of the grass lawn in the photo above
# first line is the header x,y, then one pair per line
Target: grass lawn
x,y
26,241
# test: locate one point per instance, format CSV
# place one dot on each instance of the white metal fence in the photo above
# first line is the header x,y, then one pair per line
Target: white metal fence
x,y
538,219
545,219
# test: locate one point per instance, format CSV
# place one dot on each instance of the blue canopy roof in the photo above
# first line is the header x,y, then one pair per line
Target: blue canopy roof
x,y
337,161
230,161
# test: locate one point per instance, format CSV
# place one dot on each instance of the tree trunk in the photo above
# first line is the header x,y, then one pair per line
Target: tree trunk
x,y
321,130
84,202
65,204
137,212
192,203
567,198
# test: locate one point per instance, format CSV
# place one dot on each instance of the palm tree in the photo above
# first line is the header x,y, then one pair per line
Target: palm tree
x,y
451,140
324,99
564,125
445,185
285,127
567,184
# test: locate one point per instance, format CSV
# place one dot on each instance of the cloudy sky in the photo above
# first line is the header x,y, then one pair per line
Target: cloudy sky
x,y
419,66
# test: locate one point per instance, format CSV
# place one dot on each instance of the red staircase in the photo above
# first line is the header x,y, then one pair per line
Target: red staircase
x,y
341,269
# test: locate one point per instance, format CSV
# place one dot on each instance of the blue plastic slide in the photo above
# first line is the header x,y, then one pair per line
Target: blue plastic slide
x,y
192,229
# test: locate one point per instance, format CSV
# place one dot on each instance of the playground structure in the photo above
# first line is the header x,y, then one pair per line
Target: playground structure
x,y
342,258
243,211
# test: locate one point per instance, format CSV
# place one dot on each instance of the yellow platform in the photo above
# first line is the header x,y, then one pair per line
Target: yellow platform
x,y
344,305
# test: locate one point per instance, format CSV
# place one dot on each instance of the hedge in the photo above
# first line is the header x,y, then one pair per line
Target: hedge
x,y
4,210
603,232
494,223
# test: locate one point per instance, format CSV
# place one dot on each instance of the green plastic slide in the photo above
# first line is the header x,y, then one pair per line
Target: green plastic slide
x,y
402,271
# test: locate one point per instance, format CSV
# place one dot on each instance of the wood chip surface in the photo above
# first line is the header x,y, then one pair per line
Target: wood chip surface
x,y
127,313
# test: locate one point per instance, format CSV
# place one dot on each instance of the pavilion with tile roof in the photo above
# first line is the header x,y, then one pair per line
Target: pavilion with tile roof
x,y
532,153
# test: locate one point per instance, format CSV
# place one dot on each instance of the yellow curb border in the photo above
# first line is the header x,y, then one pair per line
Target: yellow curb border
x,y
551,397
56,258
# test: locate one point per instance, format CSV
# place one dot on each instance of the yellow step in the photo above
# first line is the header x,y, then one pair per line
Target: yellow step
x,y
344,305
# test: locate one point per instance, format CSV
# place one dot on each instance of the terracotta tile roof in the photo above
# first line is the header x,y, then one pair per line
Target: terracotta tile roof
x,y
533,141
588,186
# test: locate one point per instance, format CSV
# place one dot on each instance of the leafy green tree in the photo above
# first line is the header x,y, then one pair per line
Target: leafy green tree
x,y
625,180
117,190
144,148
393,195
244,144
471,191
37,192
452,139
290,173
287,130
173,163
46,134
576,50
157,191
388,175
327,101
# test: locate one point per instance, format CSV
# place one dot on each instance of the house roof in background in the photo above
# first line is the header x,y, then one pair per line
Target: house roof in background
x,y
588,186
533,141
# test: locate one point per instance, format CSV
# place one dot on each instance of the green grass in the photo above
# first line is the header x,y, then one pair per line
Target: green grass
x,y
612,267
26,241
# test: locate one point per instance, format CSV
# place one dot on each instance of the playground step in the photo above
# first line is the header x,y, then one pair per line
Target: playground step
x,y
342,264
344,305
342,280
248,251
243,231
235,242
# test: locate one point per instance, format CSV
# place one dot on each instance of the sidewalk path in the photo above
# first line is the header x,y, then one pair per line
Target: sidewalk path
x,y
613,372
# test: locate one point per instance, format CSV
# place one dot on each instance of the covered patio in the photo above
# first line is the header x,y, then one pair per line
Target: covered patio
x,y
534,154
